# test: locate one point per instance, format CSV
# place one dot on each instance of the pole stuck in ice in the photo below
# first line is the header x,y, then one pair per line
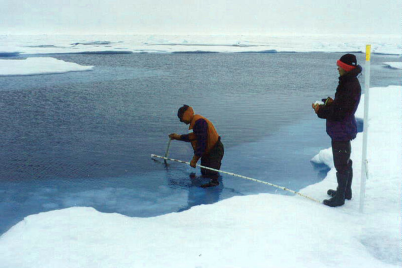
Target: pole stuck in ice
x,y
239,176
364,168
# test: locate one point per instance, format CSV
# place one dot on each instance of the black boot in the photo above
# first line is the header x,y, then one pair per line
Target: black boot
x,y
339,198
212,183
348,192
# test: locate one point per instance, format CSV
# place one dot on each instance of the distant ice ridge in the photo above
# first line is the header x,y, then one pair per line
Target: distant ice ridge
x,y
394,65
96,43
47,44
9,54
34,66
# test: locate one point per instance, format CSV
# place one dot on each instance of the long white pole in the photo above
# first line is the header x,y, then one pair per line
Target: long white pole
x,y
239,176
167,149
364,167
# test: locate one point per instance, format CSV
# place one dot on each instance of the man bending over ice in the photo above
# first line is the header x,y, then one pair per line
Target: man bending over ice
x,y
205,141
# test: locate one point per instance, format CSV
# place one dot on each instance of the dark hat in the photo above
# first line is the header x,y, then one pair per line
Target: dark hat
x,y
347,62
181,111
349,59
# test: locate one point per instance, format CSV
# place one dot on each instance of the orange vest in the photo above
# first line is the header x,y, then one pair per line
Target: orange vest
x,y
212,138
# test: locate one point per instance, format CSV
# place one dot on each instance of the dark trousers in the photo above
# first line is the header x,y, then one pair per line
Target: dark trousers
x,y
213,160
341,151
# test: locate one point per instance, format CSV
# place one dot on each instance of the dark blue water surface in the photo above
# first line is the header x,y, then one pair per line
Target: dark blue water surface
x,y
85,138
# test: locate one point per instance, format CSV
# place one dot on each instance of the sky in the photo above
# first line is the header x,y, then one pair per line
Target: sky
x,y
201,17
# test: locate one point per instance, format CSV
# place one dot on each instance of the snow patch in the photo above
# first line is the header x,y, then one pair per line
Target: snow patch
x,y
35,66
394,65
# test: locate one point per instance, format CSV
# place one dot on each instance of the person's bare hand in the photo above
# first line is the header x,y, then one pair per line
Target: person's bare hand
x,y
194,161
174,136
316,107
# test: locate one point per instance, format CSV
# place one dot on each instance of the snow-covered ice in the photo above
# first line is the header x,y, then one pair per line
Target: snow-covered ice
x,y
38,65
47,44
264,230
12,46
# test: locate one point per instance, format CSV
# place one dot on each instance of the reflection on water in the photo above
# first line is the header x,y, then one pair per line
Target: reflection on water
x,y
201,196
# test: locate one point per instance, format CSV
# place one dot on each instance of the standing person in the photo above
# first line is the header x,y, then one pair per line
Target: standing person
x,y
341,126
205,141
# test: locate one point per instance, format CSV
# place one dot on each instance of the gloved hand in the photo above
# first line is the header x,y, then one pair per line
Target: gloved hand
x,y
194,161
328,101
174,136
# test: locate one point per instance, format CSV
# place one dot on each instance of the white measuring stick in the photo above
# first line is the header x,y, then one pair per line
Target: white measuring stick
x,y
236,175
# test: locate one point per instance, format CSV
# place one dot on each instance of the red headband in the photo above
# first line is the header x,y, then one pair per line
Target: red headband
x,y
345,66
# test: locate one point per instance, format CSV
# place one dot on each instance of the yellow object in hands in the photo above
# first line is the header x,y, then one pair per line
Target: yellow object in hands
x,y
328,101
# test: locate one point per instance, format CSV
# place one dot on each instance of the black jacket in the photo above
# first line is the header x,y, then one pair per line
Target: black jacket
x,y
340,114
